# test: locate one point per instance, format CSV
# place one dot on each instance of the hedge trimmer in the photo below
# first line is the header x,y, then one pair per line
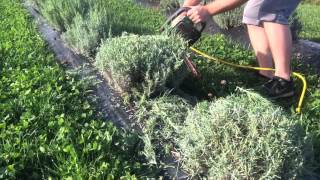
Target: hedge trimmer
x,y
183,25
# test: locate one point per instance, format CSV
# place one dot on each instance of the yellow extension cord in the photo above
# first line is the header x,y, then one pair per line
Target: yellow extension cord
x,y
298,75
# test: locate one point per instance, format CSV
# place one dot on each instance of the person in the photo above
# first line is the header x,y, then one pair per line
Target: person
x,y
269,33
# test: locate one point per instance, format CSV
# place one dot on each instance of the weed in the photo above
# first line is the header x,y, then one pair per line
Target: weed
x,y
49,127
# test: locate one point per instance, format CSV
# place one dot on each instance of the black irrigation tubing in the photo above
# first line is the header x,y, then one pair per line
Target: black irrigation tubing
x,y
110,104
111,107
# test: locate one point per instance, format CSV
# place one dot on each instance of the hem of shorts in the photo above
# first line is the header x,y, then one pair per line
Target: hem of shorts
x,y
258,22
275,20
250,21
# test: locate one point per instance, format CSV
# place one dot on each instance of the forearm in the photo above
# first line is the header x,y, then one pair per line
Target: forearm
x,y
191,3
220,6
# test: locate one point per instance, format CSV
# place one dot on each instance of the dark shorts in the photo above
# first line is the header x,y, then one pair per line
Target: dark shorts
x,y
278,11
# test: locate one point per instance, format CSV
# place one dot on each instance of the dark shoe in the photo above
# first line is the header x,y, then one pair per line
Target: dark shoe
x,y
278,88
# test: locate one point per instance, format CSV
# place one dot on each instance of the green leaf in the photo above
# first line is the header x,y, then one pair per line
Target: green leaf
x,y
42,149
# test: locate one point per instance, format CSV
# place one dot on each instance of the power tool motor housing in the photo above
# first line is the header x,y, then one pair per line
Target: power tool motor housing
x,y
184,26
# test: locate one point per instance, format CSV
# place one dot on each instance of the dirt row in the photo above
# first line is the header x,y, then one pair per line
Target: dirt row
x,y
110,104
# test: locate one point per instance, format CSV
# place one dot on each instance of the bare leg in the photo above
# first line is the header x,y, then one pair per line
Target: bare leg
x,y
280,41
260,44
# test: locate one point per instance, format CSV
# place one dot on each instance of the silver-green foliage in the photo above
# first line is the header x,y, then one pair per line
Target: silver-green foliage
x,y
229,19
60,13
160,120
242,136
141,62
84,23
86,33
167,5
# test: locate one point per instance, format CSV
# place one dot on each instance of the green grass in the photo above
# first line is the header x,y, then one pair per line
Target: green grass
x,y
160,110
314,2
48,124
309,16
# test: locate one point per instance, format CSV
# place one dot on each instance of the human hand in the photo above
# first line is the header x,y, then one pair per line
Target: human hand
x,y
198,13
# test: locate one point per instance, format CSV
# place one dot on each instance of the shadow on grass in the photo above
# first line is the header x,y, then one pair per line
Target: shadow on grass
x,y
219,81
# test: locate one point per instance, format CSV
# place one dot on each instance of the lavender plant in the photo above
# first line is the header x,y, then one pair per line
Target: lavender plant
x,y
242,136
144,63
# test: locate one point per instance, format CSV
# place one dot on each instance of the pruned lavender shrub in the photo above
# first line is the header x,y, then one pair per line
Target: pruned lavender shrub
x,y
142,63
242,136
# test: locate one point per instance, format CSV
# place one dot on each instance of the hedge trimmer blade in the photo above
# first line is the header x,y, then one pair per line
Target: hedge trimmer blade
x,y
192,67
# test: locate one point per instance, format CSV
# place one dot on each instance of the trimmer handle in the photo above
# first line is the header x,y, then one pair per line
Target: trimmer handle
x,y
178,13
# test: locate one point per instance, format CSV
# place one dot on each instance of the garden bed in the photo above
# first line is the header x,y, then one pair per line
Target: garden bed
x,y
111,94
164,118
110,104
